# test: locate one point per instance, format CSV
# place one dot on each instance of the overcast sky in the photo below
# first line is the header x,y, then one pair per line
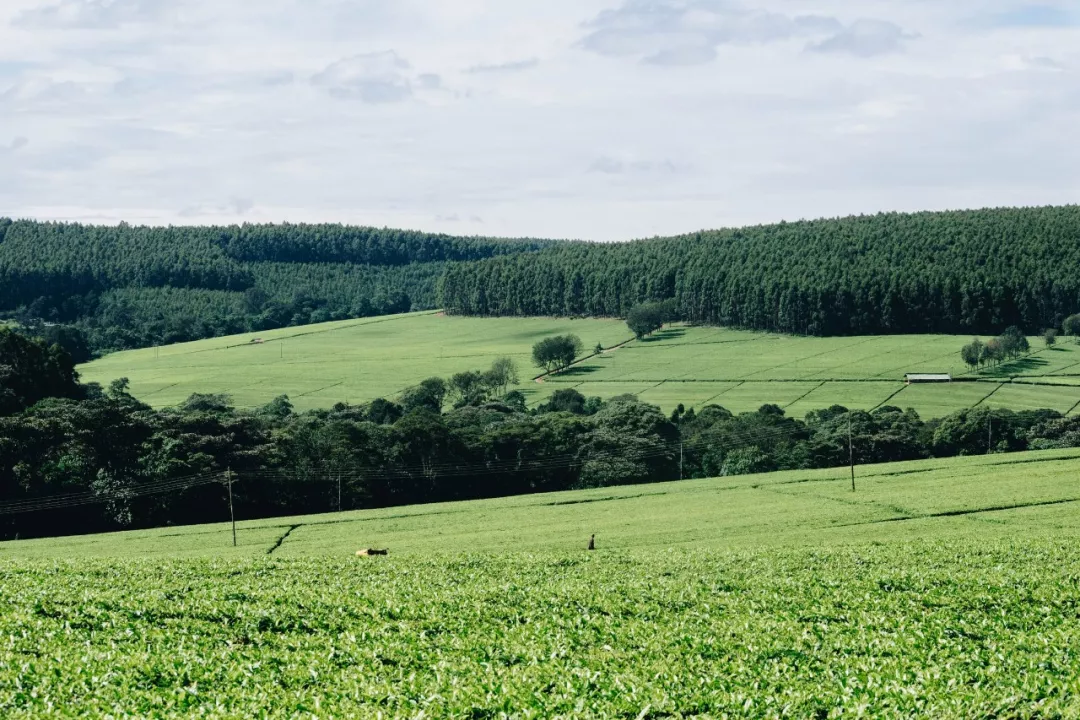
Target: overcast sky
x,y
600,119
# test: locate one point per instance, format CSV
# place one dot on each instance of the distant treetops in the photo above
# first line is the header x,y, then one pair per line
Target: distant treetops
x,y
945,272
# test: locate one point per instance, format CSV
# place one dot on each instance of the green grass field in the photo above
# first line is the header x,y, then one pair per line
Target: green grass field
x,y
944,589
358,360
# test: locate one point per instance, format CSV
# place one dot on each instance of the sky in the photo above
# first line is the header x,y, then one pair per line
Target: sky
x,y
592,119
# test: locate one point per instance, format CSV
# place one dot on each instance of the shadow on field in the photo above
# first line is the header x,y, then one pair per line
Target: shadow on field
x,y
1016,367
578,370
668,334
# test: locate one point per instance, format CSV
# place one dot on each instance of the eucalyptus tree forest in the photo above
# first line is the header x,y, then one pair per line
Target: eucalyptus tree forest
x,y
125,286
116,287
977,271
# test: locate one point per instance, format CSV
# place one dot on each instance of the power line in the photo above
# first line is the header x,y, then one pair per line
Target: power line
x,y
546,463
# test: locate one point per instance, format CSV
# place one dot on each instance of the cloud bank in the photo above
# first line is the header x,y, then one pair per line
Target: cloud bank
x,y
602,119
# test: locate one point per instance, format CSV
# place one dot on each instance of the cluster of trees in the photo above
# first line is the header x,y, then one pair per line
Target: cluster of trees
x,y
953,272
124,286
556,353
463,389
441,440
1010,345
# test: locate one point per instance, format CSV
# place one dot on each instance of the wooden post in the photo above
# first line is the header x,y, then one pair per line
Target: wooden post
x,y
851,452
232,517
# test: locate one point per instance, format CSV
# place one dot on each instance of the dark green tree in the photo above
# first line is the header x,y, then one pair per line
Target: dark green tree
x,y
972,353
31,370
646,318
556,353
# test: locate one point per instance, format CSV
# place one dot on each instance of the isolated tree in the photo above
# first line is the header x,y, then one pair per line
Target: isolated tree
x,y
503,374
1071,326
645,319
1049,337
598,349
972,353
556,353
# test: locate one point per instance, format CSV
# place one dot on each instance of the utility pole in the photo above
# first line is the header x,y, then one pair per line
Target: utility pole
x,y
680,459
232,517
851,452
989,434
339,492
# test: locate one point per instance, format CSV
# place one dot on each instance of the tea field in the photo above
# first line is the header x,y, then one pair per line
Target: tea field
x,y
358,360
946,589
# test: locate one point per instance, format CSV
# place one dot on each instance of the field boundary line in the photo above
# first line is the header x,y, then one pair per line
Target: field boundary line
x,y
988,395
281,539
312,392
882,403
810,357
733,387
590,356
807,393
355,324
934,359
962,513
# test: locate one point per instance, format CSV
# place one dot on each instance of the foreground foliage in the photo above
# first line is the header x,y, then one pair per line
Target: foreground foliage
x,y
964,629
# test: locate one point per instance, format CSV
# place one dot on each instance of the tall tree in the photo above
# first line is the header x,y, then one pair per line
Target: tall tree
x,y
31,371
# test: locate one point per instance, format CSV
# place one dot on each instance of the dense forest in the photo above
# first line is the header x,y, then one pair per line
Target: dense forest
x,y
80,458
122,286
117,287
974,271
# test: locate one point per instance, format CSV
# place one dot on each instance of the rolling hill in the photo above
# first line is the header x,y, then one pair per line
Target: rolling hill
x,y
356,361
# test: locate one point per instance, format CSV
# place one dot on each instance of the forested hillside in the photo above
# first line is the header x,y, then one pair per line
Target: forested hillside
x,y
954,272
125,286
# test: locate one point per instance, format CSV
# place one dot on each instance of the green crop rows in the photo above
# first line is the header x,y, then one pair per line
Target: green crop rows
x,y
359,360
943,588
968,629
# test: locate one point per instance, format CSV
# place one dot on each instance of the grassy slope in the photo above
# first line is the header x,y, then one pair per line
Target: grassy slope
x,y
358,360
785,595
989,496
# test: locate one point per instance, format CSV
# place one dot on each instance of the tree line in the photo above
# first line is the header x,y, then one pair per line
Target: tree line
x,y
125,286
464,437
944,272
1013,344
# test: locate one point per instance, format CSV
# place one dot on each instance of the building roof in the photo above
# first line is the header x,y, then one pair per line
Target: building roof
x,y
928,376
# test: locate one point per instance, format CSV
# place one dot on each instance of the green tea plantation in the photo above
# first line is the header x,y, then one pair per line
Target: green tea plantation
x,y
946,589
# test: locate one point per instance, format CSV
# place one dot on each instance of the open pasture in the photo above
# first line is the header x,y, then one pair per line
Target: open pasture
x,y
358,360
943,589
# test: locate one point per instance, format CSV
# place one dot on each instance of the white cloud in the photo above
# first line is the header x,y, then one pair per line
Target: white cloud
x,y
687,32
380,77
865,38
599,119
95,13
